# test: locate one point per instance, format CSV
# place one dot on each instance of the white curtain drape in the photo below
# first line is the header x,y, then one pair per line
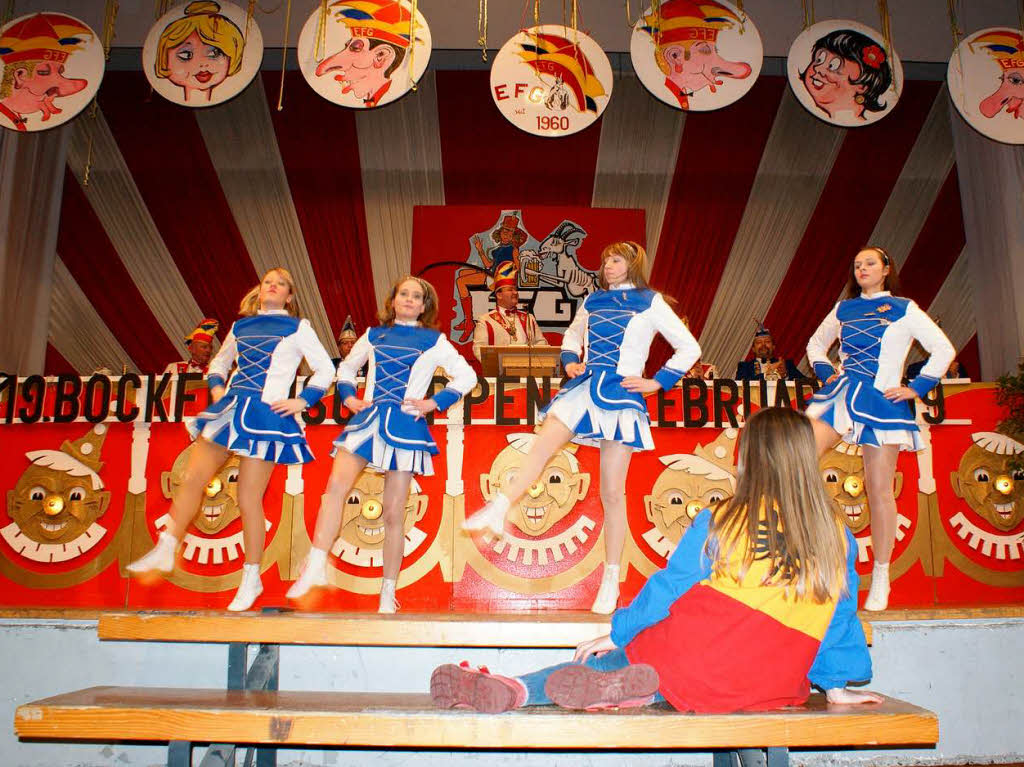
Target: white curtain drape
x,y
79,333
400,160
796,163
636,160
31,182
242,145
992,190
118,204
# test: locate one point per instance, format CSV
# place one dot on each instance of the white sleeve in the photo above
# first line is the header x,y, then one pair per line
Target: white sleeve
x,y
687,350
317,357
821,342
220,366
940,350
349,367
463,378
479,335
533,331
575,334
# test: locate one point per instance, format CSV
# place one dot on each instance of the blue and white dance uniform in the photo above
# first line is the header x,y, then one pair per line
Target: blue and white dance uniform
x,y
875,333
402,359
615,328
268,348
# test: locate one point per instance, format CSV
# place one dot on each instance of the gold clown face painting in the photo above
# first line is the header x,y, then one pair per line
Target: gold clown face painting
x,y
362,520
548,500
689,483
842,470
984,479
57,500
52,65
219,506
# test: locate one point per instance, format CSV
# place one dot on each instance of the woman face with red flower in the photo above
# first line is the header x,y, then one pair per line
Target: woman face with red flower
x,y
847,74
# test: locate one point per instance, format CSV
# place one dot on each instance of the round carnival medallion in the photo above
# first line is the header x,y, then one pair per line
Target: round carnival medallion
x,y
551,80
841,71
202,53
986,83
697,56
52,67
364,53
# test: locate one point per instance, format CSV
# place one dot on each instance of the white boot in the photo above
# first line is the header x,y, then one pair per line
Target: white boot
x,y
388,603
608,595
314,573
878,594
490,517
160,557
250,588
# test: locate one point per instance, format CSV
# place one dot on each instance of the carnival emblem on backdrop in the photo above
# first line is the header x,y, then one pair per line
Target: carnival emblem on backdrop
x,y
202,53
842,469
364,53
689,483
695,55
550,279
52,67
844,73
986,83
551,80
993,489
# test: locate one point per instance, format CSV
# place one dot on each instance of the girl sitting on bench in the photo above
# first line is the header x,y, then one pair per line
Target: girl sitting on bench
x,y
757,603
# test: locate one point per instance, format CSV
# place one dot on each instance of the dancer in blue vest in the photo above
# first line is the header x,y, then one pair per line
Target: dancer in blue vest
x,y
603,403
254,418
388,432
864,402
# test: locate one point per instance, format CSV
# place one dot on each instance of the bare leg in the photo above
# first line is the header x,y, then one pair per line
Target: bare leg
x,y
344,473
615,459
203,464
253,476
825,437
879,472
396,494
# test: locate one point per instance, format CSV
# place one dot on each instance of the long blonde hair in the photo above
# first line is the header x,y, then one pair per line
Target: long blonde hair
x,y
635,256
427,318
780,511
251,301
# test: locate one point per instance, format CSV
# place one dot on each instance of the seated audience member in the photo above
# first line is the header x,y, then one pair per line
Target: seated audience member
x,y
506,325
764,365
346,340
200,349
956,369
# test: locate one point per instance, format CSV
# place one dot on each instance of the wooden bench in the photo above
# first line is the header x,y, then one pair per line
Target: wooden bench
x,y
253,711
185,716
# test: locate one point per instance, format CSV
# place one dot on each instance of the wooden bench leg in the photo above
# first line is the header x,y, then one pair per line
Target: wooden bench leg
x,y
179,753
778,757
219,755
752,757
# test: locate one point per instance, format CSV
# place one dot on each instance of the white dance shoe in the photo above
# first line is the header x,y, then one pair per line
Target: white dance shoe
x,y
608,595
160,558
878,595
250,588
388,604
490,517
314,574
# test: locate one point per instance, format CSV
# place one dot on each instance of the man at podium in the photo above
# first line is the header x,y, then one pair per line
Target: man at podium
x,y
506,325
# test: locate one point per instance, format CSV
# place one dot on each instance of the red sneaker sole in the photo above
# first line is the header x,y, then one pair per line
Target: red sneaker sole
x,y
452,686
582,687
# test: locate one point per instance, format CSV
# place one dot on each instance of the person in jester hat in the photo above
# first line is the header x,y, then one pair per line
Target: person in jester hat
x,y
761,591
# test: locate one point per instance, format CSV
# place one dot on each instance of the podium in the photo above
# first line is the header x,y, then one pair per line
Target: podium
x,y
520,360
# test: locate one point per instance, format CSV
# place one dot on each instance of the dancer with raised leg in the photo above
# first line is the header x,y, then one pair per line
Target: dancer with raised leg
x,y
603,404
865,403
757,603
387,431
253,418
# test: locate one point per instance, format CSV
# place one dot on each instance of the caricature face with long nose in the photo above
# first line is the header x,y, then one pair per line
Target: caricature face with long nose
x,y
35,85
1009,95
700,66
